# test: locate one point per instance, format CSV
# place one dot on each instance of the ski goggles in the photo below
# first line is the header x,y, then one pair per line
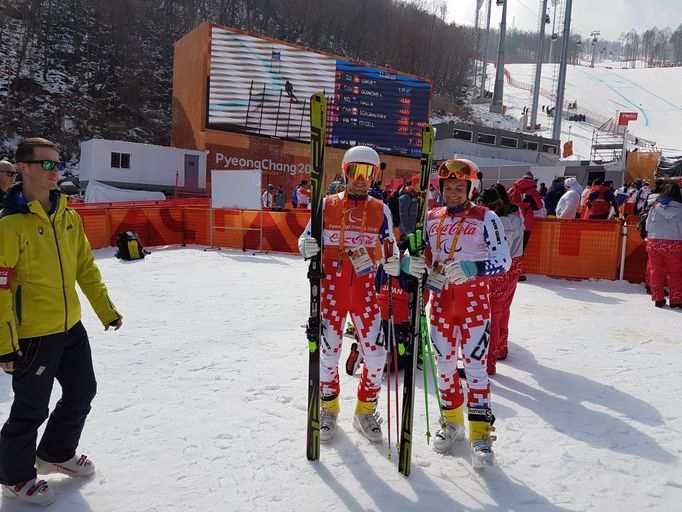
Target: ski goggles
x,y
457,169
354,171
47,165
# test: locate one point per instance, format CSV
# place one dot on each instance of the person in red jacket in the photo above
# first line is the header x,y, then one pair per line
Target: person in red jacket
x,y
524,195
599,201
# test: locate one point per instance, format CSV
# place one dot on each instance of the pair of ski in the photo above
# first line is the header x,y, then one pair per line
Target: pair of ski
x,y
318,123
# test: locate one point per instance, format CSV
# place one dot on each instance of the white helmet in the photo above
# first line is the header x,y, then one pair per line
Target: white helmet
x,y
361,155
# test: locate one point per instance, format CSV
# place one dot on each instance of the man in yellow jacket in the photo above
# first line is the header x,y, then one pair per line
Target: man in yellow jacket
x,y
43,253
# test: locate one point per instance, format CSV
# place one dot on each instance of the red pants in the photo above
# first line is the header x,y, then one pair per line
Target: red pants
x,y
460,316
665,257
502,289
344,292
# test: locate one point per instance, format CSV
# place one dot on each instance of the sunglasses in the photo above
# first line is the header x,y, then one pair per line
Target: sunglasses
x,y
9,173
47,165
456,169
367,171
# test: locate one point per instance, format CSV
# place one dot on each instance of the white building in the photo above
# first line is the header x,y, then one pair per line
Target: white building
x,y
137,166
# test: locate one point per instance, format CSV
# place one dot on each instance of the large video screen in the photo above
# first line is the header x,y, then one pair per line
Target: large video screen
x,y
261,87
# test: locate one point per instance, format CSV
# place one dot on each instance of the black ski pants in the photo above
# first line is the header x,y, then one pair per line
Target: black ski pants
x,y
67,358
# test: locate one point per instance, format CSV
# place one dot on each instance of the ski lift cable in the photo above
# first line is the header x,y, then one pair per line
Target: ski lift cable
x,y
527,8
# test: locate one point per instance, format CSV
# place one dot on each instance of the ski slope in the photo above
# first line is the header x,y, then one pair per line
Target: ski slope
x,y
202,402
652,93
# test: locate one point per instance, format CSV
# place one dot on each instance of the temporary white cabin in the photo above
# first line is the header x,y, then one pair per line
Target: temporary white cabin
x,y
142,166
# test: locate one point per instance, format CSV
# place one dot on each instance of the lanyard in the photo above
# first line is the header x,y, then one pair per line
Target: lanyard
x,y
460,227
342,241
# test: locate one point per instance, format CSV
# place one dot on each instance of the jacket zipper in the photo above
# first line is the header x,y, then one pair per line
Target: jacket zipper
x,y
61,270
11,337
17,304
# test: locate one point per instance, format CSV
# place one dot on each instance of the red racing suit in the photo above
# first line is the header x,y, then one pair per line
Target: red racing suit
x,y
351,222
460,314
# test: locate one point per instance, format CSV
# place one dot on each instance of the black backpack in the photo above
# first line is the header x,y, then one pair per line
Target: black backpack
x,y
129,247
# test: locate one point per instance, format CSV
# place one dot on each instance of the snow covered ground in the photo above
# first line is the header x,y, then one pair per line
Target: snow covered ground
x,y
202,400
605,91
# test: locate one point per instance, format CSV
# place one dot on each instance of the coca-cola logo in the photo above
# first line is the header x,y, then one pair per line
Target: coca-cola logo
x,y
470,228
335,238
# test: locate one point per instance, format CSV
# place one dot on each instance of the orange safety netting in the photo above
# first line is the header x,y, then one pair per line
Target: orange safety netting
x,y
577,249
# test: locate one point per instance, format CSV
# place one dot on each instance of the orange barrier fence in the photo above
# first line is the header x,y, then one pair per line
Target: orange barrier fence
x,y
574,249
155,225
635,253
188,201
190,224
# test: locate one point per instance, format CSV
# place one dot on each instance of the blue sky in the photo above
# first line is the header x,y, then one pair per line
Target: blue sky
x,y
610,17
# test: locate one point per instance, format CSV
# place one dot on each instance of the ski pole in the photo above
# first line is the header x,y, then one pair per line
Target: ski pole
x,y
388,250
393,359
388,364
395,368
426,348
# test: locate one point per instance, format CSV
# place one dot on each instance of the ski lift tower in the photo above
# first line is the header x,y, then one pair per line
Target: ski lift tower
x,y
498,94
561,87
479,3
543,20
484,55
595,39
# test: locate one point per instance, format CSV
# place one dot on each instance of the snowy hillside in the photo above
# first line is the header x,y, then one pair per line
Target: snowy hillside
x,y
602,91
202,400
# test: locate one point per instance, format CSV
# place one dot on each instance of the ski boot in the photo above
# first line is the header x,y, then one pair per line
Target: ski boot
x,y
480,439
35,491
354,359
329,412
76,466
453,429
367,421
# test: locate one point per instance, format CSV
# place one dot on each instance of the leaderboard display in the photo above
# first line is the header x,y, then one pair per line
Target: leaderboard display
x,y
376,108
262,87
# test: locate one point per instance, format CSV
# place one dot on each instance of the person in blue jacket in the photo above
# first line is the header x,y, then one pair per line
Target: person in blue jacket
x,y
556,190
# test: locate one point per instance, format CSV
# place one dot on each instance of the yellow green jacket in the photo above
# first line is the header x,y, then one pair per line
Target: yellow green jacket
x,y
46,254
